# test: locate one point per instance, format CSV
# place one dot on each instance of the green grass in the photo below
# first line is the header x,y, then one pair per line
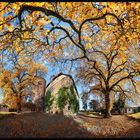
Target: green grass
x,y
91,114
135,116
4,115
7,113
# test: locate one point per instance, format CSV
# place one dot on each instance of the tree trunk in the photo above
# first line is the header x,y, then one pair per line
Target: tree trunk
x,y
19,99
107,105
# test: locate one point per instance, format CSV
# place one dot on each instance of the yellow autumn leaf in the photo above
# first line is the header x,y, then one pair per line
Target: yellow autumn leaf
x,y
88,46
69,5
10,27
63,5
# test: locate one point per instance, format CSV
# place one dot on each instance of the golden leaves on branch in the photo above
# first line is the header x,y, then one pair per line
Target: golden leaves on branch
x,y
33,67
5,77
136,67
88,46
69,5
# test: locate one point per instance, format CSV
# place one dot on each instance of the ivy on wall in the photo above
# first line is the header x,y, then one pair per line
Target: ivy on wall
x,y
73,102
63,98
48,100
67,96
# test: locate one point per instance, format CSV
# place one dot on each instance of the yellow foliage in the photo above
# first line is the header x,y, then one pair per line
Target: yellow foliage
x,y
89,46
69,5
136,67
110,32
18,49
33,67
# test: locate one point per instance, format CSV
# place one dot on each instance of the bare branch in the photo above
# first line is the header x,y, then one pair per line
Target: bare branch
x,y
47,12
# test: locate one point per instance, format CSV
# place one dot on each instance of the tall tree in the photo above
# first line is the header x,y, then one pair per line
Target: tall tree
x,y
85,98
119,105
94,105
109,70
16,81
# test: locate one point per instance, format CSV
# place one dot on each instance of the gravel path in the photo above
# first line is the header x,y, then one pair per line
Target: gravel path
x,y
41,125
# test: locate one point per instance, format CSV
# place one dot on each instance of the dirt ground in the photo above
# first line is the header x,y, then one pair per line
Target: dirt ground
x,y
41,125
119,126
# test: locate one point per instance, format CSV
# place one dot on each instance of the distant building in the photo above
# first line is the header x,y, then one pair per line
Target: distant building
x,y
126,110
131,110
60,81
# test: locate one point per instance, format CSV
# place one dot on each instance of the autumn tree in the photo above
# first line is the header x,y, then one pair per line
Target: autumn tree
x,y
110,70
16,82
94,105
70,31
16,86
119,104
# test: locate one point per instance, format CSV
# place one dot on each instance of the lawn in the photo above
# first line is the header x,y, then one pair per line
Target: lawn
x,y
91,114
7,113
135,116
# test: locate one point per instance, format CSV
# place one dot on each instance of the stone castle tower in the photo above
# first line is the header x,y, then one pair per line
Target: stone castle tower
x,y
39,93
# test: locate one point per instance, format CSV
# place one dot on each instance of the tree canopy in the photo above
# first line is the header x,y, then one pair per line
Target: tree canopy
x,y
102,36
